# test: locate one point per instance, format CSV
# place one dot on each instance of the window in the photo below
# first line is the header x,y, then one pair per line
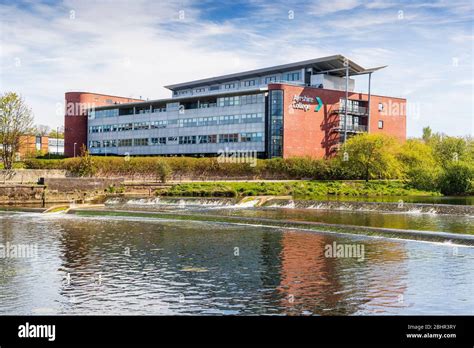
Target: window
x,y
158,141
380,124
293,76
229,85
140,142
230,119
380,106
140,125
200,90
252,99
252,118
144,110
208,121
229,138
158,124
249,137
249,83
270,79
110,143
214,88
125,127
94,144
159,109
207,139
276,124
105,113
187,139
228,101
125,142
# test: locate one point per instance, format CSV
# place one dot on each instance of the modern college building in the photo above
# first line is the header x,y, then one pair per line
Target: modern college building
x,y
289,110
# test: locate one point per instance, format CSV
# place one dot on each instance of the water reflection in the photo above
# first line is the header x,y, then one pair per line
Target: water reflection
x,y
145,266
426,222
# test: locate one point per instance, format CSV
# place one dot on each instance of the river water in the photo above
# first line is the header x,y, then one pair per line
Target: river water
x,y
129,265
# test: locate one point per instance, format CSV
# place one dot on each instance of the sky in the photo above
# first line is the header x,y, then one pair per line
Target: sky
x,y
134,47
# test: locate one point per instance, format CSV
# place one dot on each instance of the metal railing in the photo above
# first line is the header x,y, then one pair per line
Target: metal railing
x,y
361,110
351,128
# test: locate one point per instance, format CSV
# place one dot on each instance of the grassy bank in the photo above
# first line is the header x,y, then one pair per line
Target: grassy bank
x,y
299,189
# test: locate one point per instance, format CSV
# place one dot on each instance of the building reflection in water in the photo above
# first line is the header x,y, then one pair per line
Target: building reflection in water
x,y
315,284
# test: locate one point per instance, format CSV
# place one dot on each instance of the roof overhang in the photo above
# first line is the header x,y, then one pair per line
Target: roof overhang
x,y
332,65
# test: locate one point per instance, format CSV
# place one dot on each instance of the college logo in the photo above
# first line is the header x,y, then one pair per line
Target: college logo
x,y
303,102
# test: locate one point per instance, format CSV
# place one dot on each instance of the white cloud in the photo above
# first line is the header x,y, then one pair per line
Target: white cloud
x,y
133,48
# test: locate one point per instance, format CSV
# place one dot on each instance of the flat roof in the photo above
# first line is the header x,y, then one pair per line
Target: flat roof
x,y
333,65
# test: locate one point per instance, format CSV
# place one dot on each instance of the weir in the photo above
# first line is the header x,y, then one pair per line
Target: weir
x,y
288,203
441,237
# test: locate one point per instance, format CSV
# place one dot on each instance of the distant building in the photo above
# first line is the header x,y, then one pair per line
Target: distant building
x,y
306,108
32,146
56,146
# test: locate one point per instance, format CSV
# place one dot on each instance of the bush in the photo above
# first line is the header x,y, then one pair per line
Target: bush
x,y
457,179
163,171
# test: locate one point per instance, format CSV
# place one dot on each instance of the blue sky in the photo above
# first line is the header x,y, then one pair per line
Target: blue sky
x,y
133,48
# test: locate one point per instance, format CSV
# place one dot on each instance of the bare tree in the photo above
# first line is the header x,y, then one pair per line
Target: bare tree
x,y
42,130
16,120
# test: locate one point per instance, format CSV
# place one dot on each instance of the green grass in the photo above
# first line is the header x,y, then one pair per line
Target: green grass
x,y
299,189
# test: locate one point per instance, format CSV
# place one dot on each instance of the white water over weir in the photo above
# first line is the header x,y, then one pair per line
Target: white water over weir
x,y
275,202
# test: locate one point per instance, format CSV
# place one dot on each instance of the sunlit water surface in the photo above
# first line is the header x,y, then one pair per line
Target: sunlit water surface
x,y
115,265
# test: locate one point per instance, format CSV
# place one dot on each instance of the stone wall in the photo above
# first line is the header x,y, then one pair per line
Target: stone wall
x,y
29,176
80,184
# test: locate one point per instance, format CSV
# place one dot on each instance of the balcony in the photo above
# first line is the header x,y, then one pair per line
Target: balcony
x,y
359,111
350,128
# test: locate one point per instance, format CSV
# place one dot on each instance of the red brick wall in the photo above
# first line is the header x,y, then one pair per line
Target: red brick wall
x,y
75,122
309,133
27,146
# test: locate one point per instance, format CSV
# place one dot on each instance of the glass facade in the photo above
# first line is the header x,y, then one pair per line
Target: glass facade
x,y
275,124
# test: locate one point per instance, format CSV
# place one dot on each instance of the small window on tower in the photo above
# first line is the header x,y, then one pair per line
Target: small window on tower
x,y
380,124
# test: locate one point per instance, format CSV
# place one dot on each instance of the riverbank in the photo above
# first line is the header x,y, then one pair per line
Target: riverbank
x,y
299,189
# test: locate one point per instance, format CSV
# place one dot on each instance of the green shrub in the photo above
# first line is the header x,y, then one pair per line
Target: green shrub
x,y
163,171
457,179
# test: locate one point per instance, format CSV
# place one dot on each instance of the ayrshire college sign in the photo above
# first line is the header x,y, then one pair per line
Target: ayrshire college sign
x,y
303,102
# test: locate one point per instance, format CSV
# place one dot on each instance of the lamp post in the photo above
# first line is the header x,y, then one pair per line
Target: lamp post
x,y
57,140
75,149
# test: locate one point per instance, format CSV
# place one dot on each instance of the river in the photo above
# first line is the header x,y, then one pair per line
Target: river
x,y
139,265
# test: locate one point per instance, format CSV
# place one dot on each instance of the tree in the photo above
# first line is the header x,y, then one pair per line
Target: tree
x,y
450,149
372,156
86,165
16,120
427,134
419,165
57,134
457,179
42,130
163,171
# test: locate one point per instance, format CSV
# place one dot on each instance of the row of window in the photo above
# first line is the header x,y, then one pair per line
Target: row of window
x,y
292,76
181,140
224,101
187,122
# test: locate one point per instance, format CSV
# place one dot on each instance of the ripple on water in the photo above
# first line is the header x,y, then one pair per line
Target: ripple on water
x,y
138,266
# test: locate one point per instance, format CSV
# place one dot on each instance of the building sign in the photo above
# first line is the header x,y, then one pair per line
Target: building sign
x,y
303,102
